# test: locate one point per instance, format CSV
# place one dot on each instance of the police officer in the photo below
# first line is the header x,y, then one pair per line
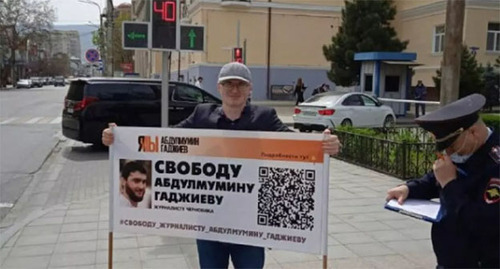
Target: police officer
x,y
466,179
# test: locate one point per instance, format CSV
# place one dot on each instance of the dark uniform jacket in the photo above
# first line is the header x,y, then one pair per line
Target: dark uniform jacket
x,y
467,236
256,118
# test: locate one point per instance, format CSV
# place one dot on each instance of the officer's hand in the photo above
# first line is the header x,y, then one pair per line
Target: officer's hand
x,y
331,143
400,193
444,170
107,135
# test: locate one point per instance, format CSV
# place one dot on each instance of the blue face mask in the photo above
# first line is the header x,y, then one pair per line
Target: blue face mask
x,y
459,158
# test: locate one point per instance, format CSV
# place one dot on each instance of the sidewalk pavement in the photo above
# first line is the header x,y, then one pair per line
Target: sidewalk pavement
x,y
73,231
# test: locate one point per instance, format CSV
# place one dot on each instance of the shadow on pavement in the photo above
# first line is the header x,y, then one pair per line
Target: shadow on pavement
x,y
85,152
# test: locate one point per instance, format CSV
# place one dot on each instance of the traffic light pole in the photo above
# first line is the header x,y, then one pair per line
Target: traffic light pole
x,y
165,80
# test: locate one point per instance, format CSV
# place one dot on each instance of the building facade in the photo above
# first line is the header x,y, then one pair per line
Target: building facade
x,y
282,40
66,42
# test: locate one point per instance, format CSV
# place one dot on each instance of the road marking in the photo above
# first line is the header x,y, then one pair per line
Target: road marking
x,y
6,205
8,120
33,120
56,120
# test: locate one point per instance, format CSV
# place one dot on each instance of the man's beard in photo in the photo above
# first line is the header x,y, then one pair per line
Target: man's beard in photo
x,y
132,195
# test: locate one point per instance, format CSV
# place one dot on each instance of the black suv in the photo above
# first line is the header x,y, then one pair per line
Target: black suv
x,y
91,103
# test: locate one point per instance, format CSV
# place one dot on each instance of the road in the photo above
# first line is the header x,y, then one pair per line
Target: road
x,y
29,130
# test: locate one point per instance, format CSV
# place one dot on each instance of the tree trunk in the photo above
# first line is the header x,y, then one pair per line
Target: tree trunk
x,y
450,69
13,71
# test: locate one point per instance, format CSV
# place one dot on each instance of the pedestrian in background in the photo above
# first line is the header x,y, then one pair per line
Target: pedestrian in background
x,y
199,83
299,91
234,85
466,179
420,95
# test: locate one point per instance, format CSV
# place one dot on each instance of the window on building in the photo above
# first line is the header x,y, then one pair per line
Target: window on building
x,y
392,84
438,39
368,82
493,37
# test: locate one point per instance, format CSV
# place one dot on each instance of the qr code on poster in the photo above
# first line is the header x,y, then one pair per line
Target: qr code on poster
x,y
286,198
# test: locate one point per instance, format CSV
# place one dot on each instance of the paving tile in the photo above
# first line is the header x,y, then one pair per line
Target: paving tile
x,y
87,205
12,240
371,226
103,225
82,212
351,263
340,228
417,233
119,255
282,256
4,252
78,236
118,243
193,262
425,260
410,246
174,263
38,250
302,265
81,219
161,252
118,235
370,249
189,249
350,218
79,246
79,227
56,213
42,229
72,259
406,223
385,236
155,240
74,267
340,251
37,240
26,262
46,221
390,261
353,238
332,241
122,265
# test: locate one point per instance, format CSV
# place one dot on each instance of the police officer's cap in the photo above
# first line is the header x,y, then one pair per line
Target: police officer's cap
x,y
448,122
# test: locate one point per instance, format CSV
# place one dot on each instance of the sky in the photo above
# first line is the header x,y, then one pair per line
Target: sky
x,y
75,12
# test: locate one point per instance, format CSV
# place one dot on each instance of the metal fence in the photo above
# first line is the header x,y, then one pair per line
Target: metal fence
x,y
402,152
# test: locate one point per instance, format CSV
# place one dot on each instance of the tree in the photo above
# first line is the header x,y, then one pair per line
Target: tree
x,y
365,27
470,75
491,79
119,54
21,20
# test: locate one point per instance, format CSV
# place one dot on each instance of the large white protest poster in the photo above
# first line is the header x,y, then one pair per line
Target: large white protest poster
x,y
257,188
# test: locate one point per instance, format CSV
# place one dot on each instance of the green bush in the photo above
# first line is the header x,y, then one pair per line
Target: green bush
x,y
403,152
492,120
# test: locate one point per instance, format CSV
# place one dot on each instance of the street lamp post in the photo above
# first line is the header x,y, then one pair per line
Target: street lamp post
x,y
101,34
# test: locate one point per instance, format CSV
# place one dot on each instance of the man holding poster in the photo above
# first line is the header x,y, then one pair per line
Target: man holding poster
x,y
234,86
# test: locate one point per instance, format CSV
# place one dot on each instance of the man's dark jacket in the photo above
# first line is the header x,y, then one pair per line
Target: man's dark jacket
x,y
468,234
256,118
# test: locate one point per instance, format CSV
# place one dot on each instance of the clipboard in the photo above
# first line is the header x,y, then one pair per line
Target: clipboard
x,y
421,209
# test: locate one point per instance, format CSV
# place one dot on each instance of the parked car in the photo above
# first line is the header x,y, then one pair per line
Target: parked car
x,y
59,81
91,103
331,109
24,83
37,81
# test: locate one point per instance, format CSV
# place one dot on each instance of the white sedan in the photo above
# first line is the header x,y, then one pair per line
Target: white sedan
x,y
331,109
